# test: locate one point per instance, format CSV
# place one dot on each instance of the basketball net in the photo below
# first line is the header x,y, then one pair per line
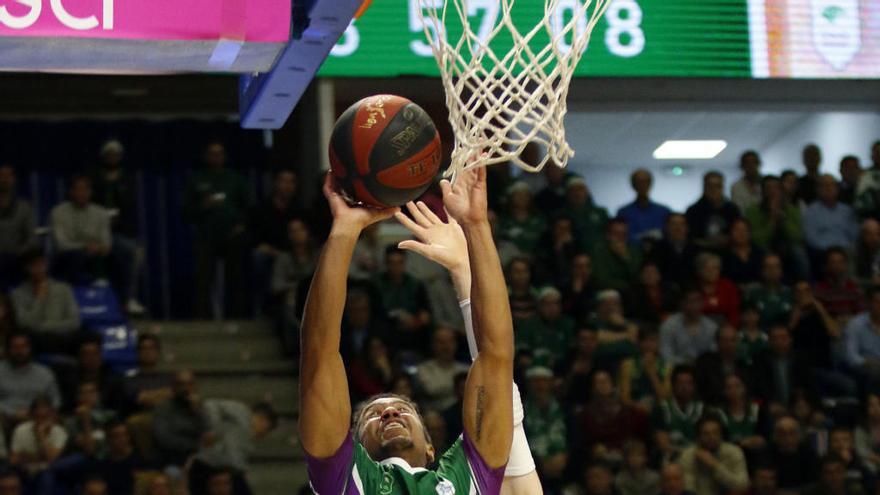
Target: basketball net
x,y
500,102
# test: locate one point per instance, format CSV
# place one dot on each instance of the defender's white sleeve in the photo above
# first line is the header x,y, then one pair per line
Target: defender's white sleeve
x,y
520,462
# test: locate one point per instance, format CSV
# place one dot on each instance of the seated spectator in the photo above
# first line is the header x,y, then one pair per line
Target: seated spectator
x,y
292,266
115,189
435,426
18,225
22,381
146,386
522,224
552,196
86,426
613,327
371,372
577,368
780,371
863,342
215,202
548,334
741,260
677,416
178,424
38,441
710,218
839,293
763,480
776,226
94,485
674,253
361,320
545,425
579,291
740,415
10,483
615,263
720,296
635,478
598,479
605,424
507,250
850,172
819,337
867,257
827,222
368,253
523,296
672,480
747,191
712,466
712,367
796,465
644,379
436,376
644,217
452,414
268,226
555,251
46,307
220,482
654,298
773,299
842,445
121,462
687,334
589,219
230,431
791,190
405,301
810,183
90,367
867,433
81,233
867,202
161,485
752,340
833,479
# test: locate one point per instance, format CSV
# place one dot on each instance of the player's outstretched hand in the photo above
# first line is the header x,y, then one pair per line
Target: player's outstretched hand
x,y
441,242
351,217
465,200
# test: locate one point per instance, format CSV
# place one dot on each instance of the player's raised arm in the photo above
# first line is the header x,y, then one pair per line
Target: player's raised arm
x,y
325,414
487,414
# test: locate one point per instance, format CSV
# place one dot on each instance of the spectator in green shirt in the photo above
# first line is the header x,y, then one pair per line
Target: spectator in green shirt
x,y
776,226
549,333
772,298
588,218
616,264
545,425
405,301
677,416
521,224
215,202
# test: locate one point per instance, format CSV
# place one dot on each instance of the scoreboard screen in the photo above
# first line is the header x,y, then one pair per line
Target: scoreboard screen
x,y
652,38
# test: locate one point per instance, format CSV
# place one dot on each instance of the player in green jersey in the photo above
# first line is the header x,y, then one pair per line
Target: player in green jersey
x,y
387,451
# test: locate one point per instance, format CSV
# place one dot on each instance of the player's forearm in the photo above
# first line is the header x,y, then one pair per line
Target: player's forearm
x,y
491,309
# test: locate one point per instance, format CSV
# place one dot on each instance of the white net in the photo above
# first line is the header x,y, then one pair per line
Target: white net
x,y
507,88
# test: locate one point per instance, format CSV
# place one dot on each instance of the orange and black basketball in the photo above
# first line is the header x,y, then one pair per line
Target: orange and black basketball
x,y
384,151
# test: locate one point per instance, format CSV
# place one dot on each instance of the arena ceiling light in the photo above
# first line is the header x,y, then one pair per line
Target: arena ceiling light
x,y
690,149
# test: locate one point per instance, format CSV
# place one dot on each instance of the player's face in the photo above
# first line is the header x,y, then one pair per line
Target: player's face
x,y
389,427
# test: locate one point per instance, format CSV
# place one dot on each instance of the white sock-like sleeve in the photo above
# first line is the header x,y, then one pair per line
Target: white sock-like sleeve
x,y
468,318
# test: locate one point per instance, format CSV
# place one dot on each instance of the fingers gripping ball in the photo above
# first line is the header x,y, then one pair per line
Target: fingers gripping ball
x,y
384,151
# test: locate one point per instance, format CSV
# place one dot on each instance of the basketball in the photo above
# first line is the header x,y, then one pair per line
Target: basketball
x,y
384,151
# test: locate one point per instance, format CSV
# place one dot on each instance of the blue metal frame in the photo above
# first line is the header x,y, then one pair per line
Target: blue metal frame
x,y
267,99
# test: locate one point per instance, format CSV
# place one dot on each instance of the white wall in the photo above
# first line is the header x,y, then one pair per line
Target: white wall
x,y
838,134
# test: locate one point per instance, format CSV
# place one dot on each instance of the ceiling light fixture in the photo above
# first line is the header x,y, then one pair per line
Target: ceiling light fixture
x,y
690,150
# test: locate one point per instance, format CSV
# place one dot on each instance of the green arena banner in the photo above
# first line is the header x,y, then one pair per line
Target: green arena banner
x,y
652,38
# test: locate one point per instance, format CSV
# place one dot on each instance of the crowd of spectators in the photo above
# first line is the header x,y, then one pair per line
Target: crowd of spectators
x,y
731,348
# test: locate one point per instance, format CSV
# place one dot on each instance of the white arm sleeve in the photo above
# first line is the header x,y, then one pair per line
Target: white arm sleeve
x,y
520,462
